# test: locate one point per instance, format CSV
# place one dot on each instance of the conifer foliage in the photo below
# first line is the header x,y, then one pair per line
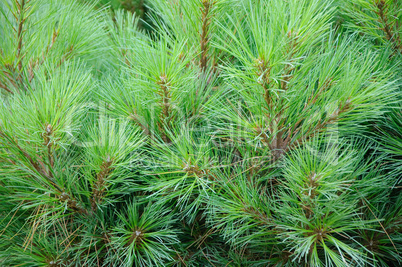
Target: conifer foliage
x,y
233,133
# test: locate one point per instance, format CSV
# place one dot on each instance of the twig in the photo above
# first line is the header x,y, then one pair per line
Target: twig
x,y
165,114
99,186
387,28
205,10
5,88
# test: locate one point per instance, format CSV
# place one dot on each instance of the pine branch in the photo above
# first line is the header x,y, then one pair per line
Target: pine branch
x,y
282,141
72,203
387,28
279,142
48,143
98,188
6,88
262,218
135,118
22,8
328,83
206,21
9,78
165,103
21,20
37,165
313,130
67,55
263,73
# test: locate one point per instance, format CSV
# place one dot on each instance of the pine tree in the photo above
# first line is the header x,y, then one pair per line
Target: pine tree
x,y
233,133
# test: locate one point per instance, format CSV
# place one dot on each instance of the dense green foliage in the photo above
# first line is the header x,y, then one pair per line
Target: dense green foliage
x,y
234,133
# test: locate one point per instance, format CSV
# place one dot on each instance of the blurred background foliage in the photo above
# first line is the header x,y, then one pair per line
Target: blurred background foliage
x,y
136,7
